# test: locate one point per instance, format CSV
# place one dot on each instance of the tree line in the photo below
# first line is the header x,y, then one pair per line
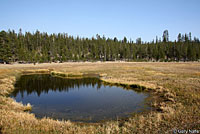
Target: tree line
x,y
40,47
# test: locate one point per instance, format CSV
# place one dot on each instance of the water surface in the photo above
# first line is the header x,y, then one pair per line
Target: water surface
x,y
85,99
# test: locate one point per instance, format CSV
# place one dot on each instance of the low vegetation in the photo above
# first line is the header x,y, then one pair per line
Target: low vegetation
x,y
174,87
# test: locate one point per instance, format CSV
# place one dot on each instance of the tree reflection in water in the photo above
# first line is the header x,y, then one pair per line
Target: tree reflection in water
x,y
45,82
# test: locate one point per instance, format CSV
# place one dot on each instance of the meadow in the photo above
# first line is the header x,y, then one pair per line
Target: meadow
x,y
174,89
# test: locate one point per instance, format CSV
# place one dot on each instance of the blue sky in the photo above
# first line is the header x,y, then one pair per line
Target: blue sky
x,y
112,18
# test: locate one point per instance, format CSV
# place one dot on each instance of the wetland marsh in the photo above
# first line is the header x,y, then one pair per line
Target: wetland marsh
x,y
175,87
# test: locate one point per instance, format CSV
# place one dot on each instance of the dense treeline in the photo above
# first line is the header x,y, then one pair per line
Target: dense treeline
x,y
43,47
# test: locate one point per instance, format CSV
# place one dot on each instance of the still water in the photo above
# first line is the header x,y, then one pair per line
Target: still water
x,y
85,99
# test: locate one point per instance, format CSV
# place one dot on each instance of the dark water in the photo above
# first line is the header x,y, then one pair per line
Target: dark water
x,y
86,99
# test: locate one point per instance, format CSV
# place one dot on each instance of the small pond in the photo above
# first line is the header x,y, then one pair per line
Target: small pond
x,y
81,99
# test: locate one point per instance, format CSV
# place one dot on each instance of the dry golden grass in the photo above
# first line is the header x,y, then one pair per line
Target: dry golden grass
x,y
175,89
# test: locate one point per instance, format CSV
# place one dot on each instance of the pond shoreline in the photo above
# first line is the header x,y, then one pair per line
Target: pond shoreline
x,y
32,86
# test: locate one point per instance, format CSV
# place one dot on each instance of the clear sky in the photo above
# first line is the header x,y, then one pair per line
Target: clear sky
x,y
112,18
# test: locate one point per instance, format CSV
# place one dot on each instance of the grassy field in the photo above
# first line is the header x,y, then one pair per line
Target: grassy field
x,y
175,89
